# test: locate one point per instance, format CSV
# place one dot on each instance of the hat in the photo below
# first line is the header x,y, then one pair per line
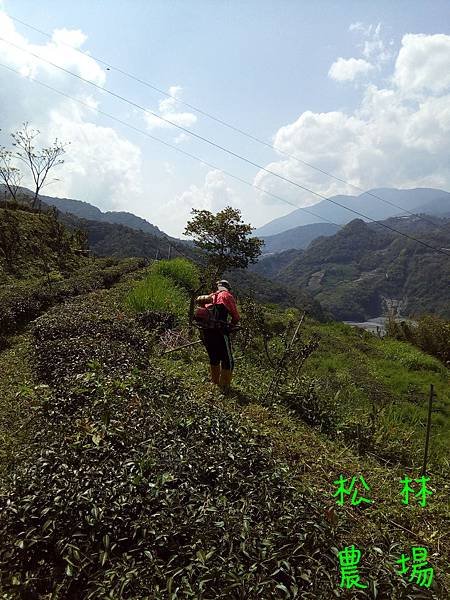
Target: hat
x,y
223,283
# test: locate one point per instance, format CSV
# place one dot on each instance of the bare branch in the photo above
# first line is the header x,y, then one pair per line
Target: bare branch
x,y
10,175
39,161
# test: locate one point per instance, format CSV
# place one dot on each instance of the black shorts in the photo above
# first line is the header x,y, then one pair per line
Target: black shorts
x,y
218,347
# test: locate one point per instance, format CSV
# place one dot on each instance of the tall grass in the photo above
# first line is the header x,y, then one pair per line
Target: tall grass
x,y
157,292
181,271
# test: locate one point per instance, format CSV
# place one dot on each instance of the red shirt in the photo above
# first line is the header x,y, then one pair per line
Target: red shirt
x,y
227,299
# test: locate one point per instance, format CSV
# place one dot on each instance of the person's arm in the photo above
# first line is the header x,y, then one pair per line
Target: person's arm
x,y
230,304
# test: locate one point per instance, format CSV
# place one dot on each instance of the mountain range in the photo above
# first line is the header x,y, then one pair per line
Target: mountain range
x,y
355,273
298,237
418,200
349,270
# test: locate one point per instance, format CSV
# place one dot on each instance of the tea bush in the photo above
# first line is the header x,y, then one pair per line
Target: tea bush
x,y
25,300
133,490
66,342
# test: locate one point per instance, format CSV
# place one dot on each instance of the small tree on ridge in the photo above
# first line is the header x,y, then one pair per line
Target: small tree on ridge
x,y
39,161
225,238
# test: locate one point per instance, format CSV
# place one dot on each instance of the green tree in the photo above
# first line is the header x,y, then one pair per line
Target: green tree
x,y
225,238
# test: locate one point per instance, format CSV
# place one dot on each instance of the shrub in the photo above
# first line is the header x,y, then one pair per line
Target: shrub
x,y
308,401
183,272
67,342
153,320
23,301
433,336
133,490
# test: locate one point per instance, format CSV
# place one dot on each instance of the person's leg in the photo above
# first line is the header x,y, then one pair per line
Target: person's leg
x,y
227,363
211,346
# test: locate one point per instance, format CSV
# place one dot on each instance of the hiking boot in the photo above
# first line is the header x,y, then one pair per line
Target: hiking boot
x,y
215,373
225,380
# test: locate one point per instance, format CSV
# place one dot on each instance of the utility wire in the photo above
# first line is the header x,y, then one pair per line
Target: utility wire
x,y
214,144
173,147
228,125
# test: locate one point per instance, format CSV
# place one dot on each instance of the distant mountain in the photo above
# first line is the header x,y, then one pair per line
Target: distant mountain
x,y
84,210
298,237
355,271
431,201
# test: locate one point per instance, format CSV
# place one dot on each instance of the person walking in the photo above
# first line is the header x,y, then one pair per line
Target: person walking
x,y
215,327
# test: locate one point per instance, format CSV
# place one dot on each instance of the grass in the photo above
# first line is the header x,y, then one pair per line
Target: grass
x,y
182,272
165,287
157,292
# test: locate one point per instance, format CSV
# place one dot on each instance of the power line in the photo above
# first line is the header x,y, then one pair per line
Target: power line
x,y
180,150
224,149
227,124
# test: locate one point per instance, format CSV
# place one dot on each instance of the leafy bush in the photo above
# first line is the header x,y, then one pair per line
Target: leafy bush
x,y
129,497
157,292
183,272
24,301
134,490
67,343
304,397
153,320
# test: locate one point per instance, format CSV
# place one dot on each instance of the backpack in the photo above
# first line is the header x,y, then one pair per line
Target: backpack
x,y
209,317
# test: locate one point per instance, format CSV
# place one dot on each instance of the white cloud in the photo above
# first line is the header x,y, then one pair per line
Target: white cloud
x,y
168,110
423,63
358,26
372,43
73,37
214,194
395,137
100,166
347,69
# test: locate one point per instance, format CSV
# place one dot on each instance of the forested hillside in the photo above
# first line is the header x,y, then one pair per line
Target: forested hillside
x,y
353,272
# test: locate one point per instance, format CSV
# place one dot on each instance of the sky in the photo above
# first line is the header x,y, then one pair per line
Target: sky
x,y
360,90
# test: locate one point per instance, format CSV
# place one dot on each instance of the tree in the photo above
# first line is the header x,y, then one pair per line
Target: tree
x,y
225,238
39,161
10,175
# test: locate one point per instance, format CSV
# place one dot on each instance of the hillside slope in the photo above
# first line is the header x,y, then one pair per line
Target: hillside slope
x,y
84,210
134,478
352,272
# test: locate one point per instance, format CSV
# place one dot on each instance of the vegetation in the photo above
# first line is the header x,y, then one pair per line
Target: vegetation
x,y
225,238
353,272
430,333
39,161
166,287
181,271
126,475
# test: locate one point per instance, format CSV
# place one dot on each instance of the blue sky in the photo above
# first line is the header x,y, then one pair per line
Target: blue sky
x,y
266,67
